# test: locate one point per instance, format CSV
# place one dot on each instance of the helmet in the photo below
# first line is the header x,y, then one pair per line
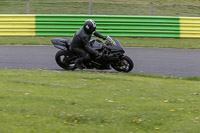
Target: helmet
x,y
89,26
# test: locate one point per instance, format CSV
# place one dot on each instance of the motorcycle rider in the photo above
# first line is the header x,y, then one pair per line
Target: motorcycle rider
x,y
80,42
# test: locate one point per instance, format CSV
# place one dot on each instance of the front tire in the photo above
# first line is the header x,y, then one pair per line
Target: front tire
x,y
64,60
124,64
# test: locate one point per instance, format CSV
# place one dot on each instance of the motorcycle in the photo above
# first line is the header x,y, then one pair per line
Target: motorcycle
x,y
112,55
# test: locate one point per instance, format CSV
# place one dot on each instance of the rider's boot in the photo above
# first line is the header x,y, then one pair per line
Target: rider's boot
x,y
107,67
78,64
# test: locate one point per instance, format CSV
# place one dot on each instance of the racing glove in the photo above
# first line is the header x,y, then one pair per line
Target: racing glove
x,y
104,37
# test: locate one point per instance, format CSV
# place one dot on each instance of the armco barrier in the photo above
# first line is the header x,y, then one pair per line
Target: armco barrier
x,y
17,25
113,25
190,27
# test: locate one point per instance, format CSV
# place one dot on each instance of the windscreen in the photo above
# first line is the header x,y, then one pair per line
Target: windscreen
x,y
116,45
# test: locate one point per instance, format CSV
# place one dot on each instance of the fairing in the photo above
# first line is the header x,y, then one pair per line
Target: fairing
x,y
116,46
96,44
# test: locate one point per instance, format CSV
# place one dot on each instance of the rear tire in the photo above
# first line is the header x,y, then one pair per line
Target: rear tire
x,y
124,64
64,60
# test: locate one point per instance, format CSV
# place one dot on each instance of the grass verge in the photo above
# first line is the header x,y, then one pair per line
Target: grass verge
x,y
78,101
126,42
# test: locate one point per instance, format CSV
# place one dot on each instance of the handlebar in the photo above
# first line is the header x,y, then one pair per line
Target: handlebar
x,y
109,41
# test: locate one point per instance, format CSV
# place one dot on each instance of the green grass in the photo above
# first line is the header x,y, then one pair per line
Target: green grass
x,y
160,7
79,101
126,42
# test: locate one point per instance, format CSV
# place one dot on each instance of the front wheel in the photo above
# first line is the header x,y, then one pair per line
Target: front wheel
x,y
64,59
124,64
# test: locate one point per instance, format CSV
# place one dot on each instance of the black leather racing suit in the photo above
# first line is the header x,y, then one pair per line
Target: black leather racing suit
x,y
80,44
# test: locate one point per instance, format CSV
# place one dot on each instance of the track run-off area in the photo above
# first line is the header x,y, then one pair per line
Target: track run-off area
x,y
165,61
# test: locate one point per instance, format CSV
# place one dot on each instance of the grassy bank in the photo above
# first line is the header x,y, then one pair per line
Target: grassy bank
x,y
126,42
60,101
125,7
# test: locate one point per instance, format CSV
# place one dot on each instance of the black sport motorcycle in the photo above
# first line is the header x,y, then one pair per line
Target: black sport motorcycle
x,y
112,55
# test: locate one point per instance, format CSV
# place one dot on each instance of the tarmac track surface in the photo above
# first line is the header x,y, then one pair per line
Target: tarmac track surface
x,y
165,61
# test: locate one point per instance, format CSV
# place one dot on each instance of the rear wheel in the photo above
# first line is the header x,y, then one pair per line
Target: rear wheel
x,y
64,60
124,64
